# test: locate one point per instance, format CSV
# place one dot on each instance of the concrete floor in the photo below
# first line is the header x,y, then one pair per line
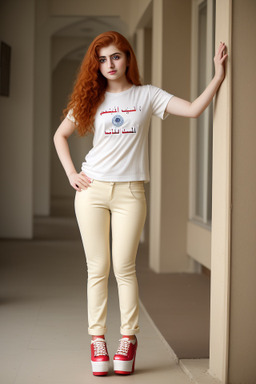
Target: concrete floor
x,y
43,320
179,304
43,328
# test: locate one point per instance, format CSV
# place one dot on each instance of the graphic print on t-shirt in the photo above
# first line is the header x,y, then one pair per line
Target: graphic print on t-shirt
x,y
118,120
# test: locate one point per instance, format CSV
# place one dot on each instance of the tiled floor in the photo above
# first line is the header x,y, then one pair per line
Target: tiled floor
x,y
43,326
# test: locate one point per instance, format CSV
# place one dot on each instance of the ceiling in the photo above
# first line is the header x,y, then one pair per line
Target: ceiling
x,y
85,30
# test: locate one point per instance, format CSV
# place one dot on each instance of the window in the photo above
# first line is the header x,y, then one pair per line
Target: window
x,y
203,23
200,194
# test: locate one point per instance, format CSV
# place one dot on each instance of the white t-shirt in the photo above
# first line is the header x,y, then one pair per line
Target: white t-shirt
x,y
120,143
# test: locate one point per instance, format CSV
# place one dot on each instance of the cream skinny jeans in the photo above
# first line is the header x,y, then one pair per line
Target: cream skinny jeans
x,y
125,204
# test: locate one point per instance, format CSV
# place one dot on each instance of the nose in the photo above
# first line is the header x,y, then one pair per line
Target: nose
x,y
110,63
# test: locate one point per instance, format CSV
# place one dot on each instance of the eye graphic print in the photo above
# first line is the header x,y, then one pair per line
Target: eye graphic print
x,y
117,121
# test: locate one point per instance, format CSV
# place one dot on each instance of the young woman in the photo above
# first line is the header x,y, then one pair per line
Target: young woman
x,y
109,100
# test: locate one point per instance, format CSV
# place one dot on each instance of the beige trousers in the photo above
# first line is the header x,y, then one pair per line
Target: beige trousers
x,y
123,206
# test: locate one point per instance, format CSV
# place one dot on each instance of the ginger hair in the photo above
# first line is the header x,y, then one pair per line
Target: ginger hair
x,y
90,85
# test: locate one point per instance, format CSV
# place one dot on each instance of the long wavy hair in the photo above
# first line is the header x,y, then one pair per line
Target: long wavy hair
x,y
90,85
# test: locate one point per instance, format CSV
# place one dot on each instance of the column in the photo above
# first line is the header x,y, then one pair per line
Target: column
x,y
170,138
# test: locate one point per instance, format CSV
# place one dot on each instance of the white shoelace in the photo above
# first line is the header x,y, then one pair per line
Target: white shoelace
x,y
99,347
123,347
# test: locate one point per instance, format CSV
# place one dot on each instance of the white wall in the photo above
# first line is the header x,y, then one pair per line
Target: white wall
x,y
17,28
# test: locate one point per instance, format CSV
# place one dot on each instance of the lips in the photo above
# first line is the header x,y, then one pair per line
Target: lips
x,y
111,72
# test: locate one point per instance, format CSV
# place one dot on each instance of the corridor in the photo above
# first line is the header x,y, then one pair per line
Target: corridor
x,y
43,329
201,213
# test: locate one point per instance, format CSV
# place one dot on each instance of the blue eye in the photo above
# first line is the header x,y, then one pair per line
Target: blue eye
x,y
102,60
116,57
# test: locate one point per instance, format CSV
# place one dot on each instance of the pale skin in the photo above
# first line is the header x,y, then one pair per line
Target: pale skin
x,y
113,64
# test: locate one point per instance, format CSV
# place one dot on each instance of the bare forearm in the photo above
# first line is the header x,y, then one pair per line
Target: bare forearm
x,y
202,102
78,181
62,148
185,108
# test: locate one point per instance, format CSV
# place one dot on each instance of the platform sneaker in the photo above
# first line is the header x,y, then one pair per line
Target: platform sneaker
x,y
124,359
99,357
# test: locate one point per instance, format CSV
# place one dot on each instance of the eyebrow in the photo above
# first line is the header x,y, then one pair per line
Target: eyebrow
x,y
112,54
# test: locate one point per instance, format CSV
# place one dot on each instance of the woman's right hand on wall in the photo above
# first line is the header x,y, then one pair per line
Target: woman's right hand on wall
x,y
79,181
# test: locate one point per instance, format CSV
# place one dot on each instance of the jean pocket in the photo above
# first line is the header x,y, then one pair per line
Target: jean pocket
x,y
137,190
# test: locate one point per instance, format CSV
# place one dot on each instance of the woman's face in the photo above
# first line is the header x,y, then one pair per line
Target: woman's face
x,y
113,63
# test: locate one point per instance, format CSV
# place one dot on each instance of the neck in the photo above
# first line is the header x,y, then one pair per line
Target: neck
x,y
118,86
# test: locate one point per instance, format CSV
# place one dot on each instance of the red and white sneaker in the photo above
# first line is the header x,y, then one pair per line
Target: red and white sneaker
x,y
99,357
124,359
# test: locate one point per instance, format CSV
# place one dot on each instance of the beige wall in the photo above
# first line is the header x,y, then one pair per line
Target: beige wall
x,y
170,139
130,11
233,284
88,7
62,80
138,13
242,344
42,121
175,151
221,201
17,28
44,61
